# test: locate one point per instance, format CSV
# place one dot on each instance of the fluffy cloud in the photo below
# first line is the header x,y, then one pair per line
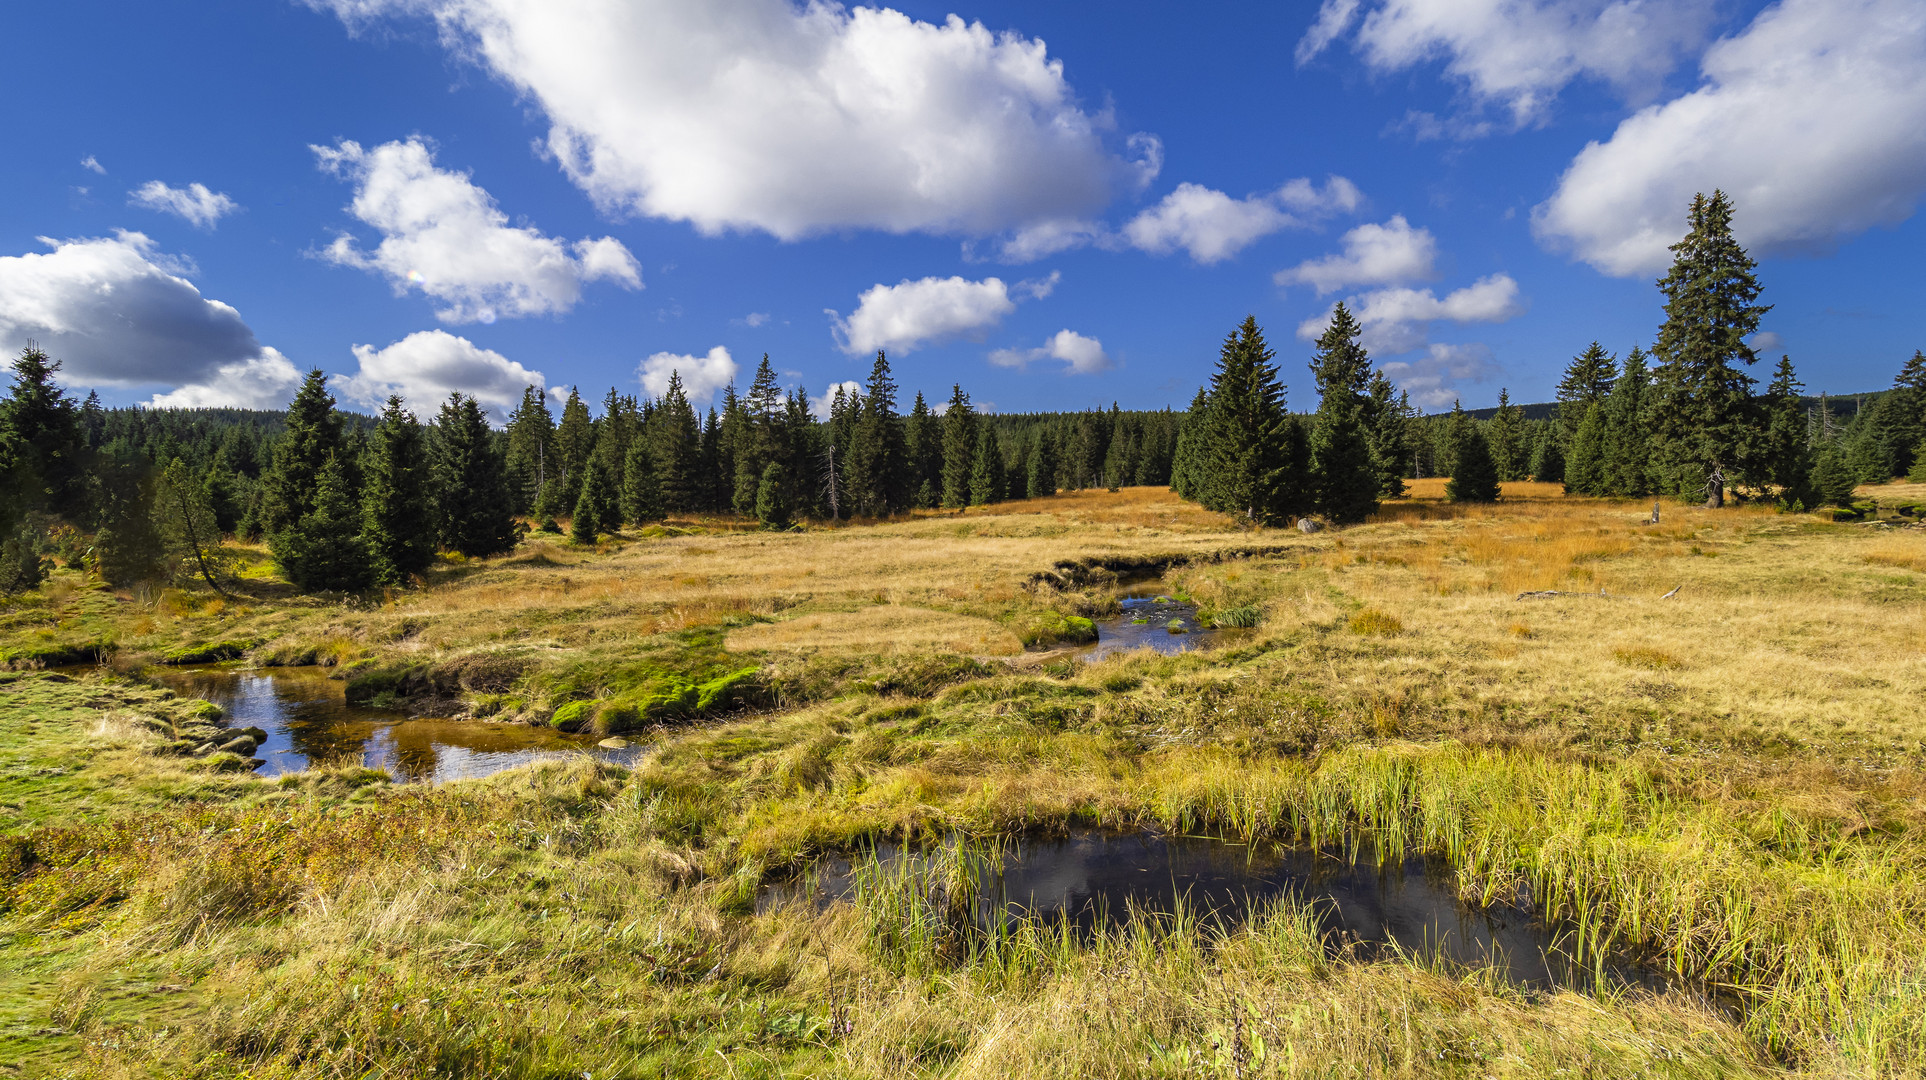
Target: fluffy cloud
x,y
1386,254
445,236
1083,355
426,366
910,314
1813,120
194,203
1212,226
1400,320
702,376
1519,53
795,119
117,313
1432,379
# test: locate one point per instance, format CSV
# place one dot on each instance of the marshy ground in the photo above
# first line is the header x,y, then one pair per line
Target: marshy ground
x,y
1721,786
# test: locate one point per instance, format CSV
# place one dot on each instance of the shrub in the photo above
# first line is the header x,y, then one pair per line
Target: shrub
x,y
1238,618
1372,622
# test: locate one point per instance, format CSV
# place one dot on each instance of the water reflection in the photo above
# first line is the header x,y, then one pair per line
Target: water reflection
x,y
1147,622
1094,878
307,718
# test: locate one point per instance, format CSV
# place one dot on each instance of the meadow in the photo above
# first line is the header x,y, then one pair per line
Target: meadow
x,y
1700,755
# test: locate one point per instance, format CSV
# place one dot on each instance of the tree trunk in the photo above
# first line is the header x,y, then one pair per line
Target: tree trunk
x,y
1715,489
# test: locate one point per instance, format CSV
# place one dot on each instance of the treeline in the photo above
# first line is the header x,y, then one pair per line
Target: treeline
x,y
346,502
1687,420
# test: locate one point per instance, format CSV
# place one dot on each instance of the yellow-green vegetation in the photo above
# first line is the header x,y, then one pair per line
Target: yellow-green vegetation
x,y
1722,784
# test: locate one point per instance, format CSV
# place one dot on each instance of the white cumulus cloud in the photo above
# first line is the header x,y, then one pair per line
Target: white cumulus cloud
x,y
194,203
907,315
1519,53
1212,226
1081,355
702,376
446,237
1400,320
1813,120
793,119
1386,254
115,312
1433,378
428,365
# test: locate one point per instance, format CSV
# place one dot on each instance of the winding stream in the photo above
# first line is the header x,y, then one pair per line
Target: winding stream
x,y
307,718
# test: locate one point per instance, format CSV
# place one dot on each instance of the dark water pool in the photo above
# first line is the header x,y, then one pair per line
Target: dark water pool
x,y
1093,878
1155,622
307,718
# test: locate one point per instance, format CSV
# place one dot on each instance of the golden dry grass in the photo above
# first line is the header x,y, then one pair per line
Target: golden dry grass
x,y
884,629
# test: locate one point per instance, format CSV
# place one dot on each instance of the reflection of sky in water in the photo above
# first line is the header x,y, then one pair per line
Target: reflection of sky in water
x,y
1123,632
1091,877
307,718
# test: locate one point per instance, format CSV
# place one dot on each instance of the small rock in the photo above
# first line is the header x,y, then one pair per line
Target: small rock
x,y
241,745
614,742
1306,525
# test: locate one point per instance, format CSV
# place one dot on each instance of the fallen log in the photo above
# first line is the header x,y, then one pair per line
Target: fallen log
x,y
1547,594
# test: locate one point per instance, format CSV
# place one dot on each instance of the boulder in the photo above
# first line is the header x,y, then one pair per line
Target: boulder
x,y
1308,525
614,742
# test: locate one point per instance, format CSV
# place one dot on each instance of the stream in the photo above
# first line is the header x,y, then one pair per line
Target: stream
x,y
307,718
1152,621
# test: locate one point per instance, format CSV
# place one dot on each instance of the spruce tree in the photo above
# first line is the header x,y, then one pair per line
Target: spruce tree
x,y
877,467
959,449
923,446
1625,443
127,547
1387,425
1588,380
574,441
22,566
773,508
987,483
1832,481
310,440
1910,388
1506,436
641,496
1585,467
1784,457
1345,479
188,528
759,440
531,445
1548,461
1703,416
324,551
397,519
1040,475
676,450
469,482
43,426
1241,456
1187,473
1474,476
594,507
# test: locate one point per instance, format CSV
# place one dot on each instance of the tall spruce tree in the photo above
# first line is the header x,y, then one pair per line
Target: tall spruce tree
x,y
324,550
773,508
1625,441
641,494
1474,476
987,482
127,547
760,439
397,524
877,467
1588,380
1040,472
1187,474
1245,470
1345,477
1784,457
1548,461
1910,388
43,426
1703,415
531,444
574,441
310,440
923,446
1387,425
959,448
676,447
1506,434
470,482
1585,465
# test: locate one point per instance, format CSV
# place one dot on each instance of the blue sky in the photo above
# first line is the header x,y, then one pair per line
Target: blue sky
x,y
1057,205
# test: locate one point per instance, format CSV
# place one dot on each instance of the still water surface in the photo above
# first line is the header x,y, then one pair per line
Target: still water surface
x,y
1093,878
307,718
1146,623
